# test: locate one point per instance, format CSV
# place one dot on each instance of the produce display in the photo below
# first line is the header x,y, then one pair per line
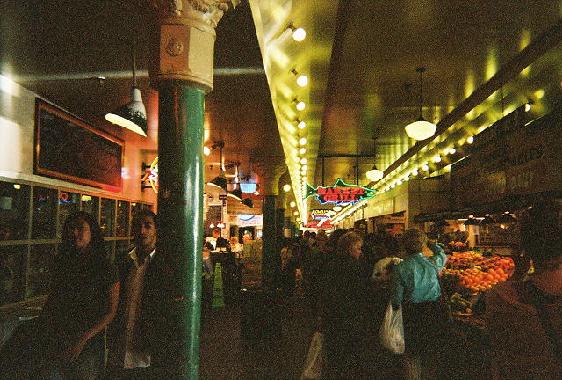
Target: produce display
x,y
474,272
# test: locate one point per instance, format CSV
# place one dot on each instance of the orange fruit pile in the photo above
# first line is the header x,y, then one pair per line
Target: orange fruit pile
x,y
476,273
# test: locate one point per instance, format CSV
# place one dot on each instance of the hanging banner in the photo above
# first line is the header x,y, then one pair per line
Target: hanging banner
x,y
341,193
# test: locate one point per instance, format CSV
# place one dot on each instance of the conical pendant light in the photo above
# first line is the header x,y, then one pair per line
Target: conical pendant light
x,y
220,180
420,129
132,115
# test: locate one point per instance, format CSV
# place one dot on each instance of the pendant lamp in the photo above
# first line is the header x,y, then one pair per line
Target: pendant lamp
x,y
220,180
374,174
420,129
248,202
132,115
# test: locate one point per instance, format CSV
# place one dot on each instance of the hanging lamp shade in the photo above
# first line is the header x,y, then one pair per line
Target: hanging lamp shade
x,y
131,116
374,174
420,129
219,181
248,202
236,194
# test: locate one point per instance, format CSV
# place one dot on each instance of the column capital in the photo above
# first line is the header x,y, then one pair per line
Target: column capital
x,y
269,170
187,39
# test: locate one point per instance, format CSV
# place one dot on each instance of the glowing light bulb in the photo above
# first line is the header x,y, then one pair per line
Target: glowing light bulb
x,y
425,167
470,139
301,105
302,80
302,125
302,150
206,151
303,141
299,34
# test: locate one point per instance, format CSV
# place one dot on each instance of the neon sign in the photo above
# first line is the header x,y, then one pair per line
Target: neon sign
x,y
151,176
322,214
341,193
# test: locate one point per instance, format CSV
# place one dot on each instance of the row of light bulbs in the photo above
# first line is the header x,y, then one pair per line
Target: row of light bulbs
x,y
301,162
398,178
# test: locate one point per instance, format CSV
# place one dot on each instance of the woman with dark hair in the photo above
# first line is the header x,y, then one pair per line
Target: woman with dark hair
x,y
82,302
524,318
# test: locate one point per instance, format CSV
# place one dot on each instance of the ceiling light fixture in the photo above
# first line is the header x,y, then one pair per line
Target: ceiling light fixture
x,y
420,129
131,116
220,180
298,34
374,174
301,124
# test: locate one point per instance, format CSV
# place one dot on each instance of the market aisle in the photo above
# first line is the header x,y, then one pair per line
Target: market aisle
x,y
225,356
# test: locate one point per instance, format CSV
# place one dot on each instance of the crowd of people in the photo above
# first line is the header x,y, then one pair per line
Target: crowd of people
x,y
348,291
95,301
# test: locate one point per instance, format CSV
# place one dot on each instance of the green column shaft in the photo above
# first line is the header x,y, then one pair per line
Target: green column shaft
x,y
269,243
180,209
279,226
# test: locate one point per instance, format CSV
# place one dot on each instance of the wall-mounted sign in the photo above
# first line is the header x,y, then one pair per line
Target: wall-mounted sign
x,y
68,148
322,214
319,224
341,193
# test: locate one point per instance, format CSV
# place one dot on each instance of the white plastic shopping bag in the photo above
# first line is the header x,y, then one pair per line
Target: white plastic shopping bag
x,y
391,333
314,358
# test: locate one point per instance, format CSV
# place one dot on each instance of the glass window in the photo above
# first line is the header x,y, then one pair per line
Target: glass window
x,y
122,226
69,203
40,264
91,205
107,220
44,210
12,273
14,211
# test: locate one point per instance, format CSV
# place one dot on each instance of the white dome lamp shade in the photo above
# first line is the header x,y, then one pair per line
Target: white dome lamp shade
x,y
374,174
421,129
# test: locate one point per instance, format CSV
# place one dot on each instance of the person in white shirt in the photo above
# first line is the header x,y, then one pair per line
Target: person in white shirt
x,y
130,334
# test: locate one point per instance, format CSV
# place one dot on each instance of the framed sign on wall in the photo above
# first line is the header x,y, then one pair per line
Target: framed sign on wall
x,y
68,148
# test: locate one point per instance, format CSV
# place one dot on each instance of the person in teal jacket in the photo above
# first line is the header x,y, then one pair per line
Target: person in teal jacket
x,y
415,288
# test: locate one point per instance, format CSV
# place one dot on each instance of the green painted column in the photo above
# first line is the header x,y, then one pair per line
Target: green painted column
x,y
270,260
269,170
180,209
183,74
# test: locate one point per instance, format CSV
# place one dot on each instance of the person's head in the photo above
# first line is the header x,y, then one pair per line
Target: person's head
x,y
413,241
350,244
216,232
234,240
144,230
541,235
81,232
332,242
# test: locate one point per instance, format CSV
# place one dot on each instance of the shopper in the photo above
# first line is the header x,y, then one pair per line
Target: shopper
x,y
344,311
415,287
68,336
524,318
131,336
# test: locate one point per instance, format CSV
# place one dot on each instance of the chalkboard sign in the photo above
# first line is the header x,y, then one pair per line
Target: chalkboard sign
x,y
67,148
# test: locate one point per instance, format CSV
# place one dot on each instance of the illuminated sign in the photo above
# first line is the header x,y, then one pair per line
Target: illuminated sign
x,y
341,193
325,225
322,214
151,176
